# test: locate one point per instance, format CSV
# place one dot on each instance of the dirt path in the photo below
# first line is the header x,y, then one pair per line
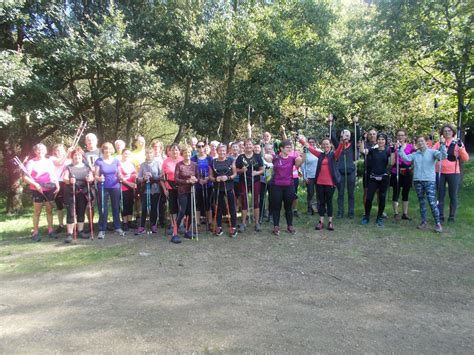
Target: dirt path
x,y
301,294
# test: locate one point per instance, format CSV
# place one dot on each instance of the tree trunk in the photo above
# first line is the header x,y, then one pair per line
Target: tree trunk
x,y
181,132
184,111
229,97
14,183
97,110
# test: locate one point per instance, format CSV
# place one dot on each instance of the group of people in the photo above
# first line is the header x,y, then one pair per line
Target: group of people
x,y
197,186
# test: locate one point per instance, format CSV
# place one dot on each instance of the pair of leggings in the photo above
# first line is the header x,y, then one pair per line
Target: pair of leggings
x,y
286,195
203,199
349,181
373,186
222,206
256,193
114,195
59,199
453,181
184,202
310,192
404,185
325,194
264,191
81,205
128,201
428,189
154,205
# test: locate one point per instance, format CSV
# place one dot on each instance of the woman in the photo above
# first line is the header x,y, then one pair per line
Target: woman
x,y
160,156
128,186
401,176
424,177
265,184
108,176
249,167
223,172
204,187
149,177
77,178
449,171
378,179
309,175
60,160
171,191
186,174
44,186
283,190
327,177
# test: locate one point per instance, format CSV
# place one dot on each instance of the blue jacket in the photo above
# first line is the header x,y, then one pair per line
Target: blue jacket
x,y
424,162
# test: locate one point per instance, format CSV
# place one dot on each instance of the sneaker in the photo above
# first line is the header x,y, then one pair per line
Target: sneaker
x,y
405,217
69,239
125,227
319,226
169,231
276,230
441,219
36,237
120,232
296,213
330,226
258,227
438,228
384,215
140,231
396,216
181,229
365,220
52,235
291,230
175,239
451,219
422,225
188,235
242,228
218,232
59,229
154,229
379,222
82,235
233,232
101,235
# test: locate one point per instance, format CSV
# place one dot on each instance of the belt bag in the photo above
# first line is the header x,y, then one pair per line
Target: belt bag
x,y
48,185
377,177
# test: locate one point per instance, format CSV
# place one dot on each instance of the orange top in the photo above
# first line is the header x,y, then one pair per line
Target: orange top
x,y
451,167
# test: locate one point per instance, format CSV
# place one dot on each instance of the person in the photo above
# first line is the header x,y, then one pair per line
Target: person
x,y
60,160
424,176
138,154
43,185
223,171
108,176
449,171
194,142
296,177
119,147
327,177
234,154
149,177
378,178
282,186
347,168
160,157
186,175
92,152
249,167
265,184
370,140
171,191
309,175
401,176
204,185
213,149
128,186
79,175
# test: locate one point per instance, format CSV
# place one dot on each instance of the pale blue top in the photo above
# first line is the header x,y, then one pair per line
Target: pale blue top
x,y
424,162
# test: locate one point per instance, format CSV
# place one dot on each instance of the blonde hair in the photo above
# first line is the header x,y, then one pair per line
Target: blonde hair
x,y
107,145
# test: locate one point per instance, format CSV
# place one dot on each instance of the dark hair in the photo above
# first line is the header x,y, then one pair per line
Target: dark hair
x,y
426,138
402,130
248,140
312,138
325,139
382,135
450,126
285,143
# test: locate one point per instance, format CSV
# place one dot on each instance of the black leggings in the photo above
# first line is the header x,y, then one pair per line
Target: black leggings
x,y
81,204
127,203
373,185
404,184
285,194
310,190
222,207
264,191
453,181
153,209
184,202
203,199
325,193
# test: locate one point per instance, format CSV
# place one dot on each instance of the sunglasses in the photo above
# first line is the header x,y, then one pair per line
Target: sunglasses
x,y
200,146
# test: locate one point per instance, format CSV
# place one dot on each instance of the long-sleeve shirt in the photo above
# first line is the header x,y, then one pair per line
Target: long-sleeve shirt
x,y
182,173
424,162
324,176
449,165
152,168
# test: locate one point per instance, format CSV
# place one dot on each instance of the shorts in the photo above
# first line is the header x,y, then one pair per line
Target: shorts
x,y
39,197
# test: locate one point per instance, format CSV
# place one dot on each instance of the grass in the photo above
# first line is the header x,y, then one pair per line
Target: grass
x,y
19,255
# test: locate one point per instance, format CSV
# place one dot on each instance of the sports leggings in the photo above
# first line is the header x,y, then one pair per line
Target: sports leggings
x,y
81,204
325,194
373,185
286,195
453,181
222,206
404,185
184,202
153,209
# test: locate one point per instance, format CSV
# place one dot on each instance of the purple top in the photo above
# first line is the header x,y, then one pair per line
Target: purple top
x,y
110,172
402,163
283,170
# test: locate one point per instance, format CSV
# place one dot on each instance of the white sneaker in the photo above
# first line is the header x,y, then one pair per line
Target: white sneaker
x,y
101,235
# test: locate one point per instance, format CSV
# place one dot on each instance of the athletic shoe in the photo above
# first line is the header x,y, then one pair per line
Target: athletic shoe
x,y
140,231
291,230
441,219
384,215
296,213
258,227
379,222
101,235
451,219
120,232
125,227
319,226
276,230
175,239
188,235
69,239
59,229
396,216
36,237
405,217
82,235
154,229
181,229
218,232
438,228
422,225
233,232
169,231
365,220
330,226
52,235
242,228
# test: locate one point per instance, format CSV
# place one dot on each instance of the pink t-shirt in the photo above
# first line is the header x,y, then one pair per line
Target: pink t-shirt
x,y
127,169
42,171
168,167
283,170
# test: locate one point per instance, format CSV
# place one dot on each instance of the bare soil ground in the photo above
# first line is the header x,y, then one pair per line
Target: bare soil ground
x,y
313,292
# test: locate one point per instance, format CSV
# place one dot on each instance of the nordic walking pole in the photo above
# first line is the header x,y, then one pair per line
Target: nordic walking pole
x,y
102,195
216,207
148,205
89,203
246,190
251,194
262,212
226,199
74,207
356,156
193,195
330,125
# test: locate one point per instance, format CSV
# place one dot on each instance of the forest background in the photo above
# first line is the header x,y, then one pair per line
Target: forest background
x,y
170,70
